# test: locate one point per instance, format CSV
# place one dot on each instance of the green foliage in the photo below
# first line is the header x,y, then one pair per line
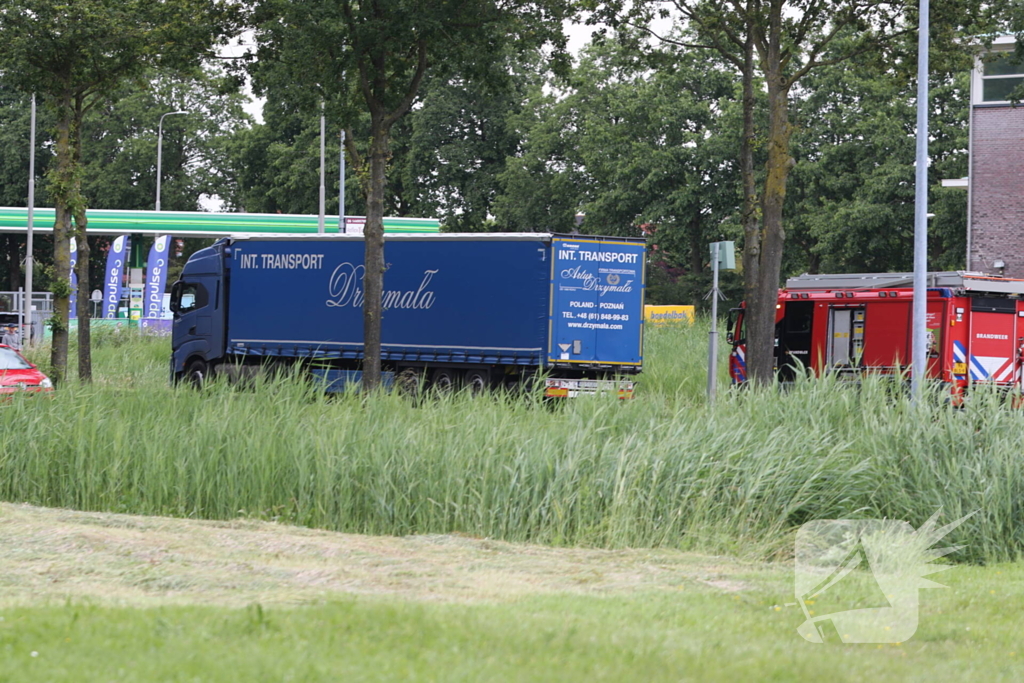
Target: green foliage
x,y
638,152
275,165
664,469
91,46
460,140
851,198
120,138
75,56
15,110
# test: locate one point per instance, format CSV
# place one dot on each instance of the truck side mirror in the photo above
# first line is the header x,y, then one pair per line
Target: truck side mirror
x,y
175,303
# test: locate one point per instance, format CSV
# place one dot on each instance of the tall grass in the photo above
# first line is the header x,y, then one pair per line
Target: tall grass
x,y
665,469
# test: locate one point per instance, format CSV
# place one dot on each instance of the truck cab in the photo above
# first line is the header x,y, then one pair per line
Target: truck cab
x,y
197,333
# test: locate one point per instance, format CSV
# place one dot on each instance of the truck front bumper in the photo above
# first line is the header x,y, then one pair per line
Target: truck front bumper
x,y
570,388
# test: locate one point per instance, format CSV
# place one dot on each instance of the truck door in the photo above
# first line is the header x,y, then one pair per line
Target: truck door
x,y
794,349
992,339
190,302
197,301
845,337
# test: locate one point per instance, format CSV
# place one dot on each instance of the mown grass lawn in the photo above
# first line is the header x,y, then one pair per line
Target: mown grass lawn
x,y
969,632
500,539
102,597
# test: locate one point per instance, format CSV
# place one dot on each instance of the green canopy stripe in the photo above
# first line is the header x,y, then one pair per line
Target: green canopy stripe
x,y
184,223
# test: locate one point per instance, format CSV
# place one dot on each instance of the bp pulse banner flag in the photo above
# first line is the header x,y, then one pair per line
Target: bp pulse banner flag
x,y
156,277
116,258
74,280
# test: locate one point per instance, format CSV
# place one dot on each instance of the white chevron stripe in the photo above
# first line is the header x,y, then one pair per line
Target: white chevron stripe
x,y
991,366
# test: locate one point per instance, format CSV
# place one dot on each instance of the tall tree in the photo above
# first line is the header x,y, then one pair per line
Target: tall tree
x,y
782,40
120,138
461,139
850,204
640,144
74,55
342,54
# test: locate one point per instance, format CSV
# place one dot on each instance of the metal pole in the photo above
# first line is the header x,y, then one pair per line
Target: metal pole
x,y
919,368
341,185
713,335
323,188
21,316
159,152
31,210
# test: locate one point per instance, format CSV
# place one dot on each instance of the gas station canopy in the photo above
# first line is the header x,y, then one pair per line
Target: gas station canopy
x,y
200,224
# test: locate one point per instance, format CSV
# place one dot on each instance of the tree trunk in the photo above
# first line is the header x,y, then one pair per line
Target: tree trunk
x,y
12,255
82,265
813,262
61,189
84,305
373,276
761,325
749,218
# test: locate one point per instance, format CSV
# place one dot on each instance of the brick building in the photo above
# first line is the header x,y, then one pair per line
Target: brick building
x,y
995,213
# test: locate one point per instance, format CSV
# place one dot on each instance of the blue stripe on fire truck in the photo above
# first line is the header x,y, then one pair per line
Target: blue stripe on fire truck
x,y
982,368
960,357
739,365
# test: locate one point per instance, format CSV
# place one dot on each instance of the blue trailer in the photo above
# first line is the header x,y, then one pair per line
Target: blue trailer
x,y
480,310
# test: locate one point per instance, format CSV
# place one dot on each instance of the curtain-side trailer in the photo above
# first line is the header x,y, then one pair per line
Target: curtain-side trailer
x,y
481,310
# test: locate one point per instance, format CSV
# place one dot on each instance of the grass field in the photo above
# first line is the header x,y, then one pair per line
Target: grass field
x,y
95,596
498,537
664,470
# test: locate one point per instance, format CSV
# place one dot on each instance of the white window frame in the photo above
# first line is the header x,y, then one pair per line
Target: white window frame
x,y
1001,45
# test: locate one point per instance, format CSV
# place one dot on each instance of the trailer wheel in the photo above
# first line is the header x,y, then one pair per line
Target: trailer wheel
x,y
443,381
478,381
196,373
409,382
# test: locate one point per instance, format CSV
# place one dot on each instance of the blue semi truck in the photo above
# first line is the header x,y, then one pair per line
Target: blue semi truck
x,y
475,310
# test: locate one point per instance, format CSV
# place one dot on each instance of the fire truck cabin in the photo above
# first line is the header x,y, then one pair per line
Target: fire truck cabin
x,y
861,323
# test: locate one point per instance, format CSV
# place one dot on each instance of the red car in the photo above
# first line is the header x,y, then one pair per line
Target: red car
x,y
17,374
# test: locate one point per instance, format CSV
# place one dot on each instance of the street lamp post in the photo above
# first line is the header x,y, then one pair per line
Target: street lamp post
x,y
323,187
341,185
919,336
29,264
159,152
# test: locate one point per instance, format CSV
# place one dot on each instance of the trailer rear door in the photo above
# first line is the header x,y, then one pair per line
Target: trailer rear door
x,y
597,302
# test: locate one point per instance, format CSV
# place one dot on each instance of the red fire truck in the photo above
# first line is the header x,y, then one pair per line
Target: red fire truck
x,y
861,323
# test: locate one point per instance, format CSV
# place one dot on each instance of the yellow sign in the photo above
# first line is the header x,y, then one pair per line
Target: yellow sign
x,y
959,368
660,315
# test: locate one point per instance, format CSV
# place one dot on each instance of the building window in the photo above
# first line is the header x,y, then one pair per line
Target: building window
x,y
1001,75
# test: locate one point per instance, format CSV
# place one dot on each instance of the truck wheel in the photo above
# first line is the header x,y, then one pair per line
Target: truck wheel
x,y
196,373
443,381
478,381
